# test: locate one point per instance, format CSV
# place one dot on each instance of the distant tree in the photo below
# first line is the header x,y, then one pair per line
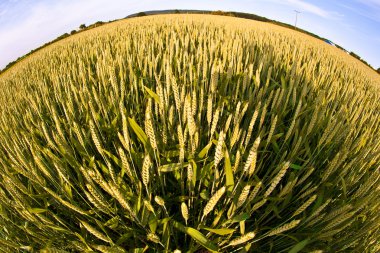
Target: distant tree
x,y
11,64
219,12
360,59
177,11
141,14
355,55
82,26
222,13
99,23
73,32
378,70
61,37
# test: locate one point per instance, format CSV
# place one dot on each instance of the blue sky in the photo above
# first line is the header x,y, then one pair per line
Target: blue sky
x,y
28,24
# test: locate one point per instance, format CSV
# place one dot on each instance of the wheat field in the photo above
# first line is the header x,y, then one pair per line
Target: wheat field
x,y
189,133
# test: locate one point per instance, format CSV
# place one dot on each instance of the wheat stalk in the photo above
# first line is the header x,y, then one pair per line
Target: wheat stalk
x,y
219,149
213,201
258,205
149,125
305,205
250,164
338,220
209,110
252,124
160,201
237,160
215,120
254,192
284,228
243,196
153,237
95,232
277,179
271,131
181,143
145,171
125,164
243,239
95,137
184,211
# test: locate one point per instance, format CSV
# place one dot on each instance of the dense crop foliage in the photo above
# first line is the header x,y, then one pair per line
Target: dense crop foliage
x,y
189,133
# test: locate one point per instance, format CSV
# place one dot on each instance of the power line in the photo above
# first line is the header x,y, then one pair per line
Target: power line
x,y
295,24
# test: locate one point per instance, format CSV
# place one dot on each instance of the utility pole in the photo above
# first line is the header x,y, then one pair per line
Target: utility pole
x,y
295,24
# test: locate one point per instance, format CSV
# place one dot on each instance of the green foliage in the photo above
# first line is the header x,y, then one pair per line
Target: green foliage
x,y
141,14
222,13
360,59
191,133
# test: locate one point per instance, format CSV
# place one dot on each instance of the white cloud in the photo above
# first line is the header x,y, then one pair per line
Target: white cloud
x,y
26,27
308,7
26,24
372,10
304,6
370,3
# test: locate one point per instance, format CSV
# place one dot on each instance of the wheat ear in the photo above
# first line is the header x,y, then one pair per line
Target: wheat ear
x,y
305,205
213,201
145,173
185,212
243,196
254,192
277,179
95,232
218,150
243,239
284,228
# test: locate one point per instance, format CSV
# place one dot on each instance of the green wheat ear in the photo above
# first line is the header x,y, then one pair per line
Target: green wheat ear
x,y
189,133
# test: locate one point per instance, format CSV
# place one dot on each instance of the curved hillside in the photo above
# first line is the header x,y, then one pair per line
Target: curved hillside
x,y
191,133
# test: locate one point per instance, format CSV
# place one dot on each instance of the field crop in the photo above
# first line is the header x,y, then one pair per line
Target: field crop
x,y
189,133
